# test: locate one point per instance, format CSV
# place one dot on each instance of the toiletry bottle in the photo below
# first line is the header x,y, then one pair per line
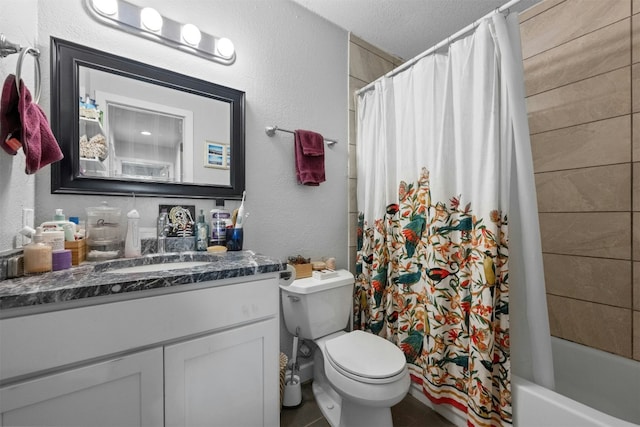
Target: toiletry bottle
x,y
37,255
60,223
220,219
132,242
161,230
202,233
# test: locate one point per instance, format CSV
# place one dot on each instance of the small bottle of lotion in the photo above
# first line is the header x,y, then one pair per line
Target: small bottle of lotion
x,y
132,242
37,255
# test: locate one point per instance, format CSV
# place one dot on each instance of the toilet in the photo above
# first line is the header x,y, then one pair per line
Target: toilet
x,y
357,376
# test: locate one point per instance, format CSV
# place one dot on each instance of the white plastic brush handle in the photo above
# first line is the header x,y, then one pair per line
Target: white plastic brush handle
x,y
294,356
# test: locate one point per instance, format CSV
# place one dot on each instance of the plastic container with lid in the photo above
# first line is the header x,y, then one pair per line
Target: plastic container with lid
x,y
104,232
220,220
59,223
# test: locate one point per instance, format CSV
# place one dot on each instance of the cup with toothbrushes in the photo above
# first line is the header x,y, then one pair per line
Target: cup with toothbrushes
x,y
235,234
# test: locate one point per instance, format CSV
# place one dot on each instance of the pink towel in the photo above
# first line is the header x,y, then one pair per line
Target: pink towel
x,y
29,127
309,148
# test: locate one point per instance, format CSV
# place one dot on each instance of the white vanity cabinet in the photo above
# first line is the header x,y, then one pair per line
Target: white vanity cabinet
x,y
126,391
204,356
223,379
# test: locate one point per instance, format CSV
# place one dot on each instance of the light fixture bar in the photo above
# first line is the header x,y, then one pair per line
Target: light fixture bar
x,y
128,18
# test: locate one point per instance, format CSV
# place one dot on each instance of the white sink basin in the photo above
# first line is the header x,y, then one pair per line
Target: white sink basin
x,y
158,267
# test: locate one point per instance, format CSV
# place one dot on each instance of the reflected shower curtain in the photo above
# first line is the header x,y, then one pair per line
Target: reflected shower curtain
x,y
443,163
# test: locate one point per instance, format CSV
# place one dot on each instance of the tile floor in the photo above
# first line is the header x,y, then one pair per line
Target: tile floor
x,y
408,413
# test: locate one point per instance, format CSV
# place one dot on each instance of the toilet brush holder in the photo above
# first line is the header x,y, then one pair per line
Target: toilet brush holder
x,y
292,390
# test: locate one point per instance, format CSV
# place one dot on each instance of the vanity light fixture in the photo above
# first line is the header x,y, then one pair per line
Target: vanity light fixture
x,y
145,133
106,7
191,34
150,19
225,48
148,22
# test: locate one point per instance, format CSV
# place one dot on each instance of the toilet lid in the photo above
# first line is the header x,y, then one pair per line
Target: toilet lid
x,y
365,355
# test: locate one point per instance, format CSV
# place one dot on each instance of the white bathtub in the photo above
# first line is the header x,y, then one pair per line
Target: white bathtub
x,y
603,390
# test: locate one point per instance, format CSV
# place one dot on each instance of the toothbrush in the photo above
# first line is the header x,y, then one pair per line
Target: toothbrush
x,y
240,218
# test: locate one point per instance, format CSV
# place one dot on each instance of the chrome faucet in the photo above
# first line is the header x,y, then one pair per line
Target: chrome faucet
x,y
163,228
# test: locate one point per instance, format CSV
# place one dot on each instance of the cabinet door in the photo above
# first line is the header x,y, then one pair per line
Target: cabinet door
x,y
229,378
121,392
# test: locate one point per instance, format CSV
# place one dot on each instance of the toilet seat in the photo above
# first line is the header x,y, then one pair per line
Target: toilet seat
x,y
365,357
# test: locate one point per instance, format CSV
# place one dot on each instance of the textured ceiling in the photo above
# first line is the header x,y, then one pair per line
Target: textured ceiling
x,y
405,28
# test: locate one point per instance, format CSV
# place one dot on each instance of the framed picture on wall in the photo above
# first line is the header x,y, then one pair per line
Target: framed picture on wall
x,y
215,155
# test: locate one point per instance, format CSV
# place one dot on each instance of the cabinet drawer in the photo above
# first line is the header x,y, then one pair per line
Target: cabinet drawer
x,y
50,340
89,396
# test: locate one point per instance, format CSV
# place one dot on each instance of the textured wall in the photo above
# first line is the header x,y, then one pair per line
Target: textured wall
x,y
580,73
19,24
292,66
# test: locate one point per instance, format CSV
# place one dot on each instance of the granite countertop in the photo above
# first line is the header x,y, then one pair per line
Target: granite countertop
x,y
90,280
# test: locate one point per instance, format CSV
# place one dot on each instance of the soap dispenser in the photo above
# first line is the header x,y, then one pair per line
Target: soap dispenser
x,y
132,242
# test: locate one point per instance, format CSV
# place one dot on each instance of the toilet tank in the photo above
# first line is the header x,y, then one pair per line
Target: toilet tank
x,y
318,307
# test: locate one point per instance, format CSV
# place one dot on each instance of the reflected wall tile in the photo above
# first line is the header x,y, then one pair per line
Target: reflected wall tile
x,y
596,234
595,53
604,188
605,281
596,98
595,325
569,20
592,144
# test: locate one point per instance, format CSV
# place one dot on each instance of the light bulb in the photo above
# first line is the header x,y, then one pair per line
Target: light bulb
x,y
191,34
151,19
106,7
224,47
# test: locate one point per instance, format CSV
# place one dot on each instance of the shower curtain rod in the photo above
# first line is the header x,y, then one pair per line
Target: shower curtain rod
x,y
443,43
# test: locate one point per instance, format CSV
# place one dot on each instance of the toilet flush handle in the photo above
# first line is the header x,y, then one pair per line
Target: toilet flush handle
x,y
293,298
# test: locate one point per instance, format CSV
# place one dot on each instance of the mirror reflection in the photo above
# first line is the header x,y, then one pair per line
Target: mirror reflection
x,y
134,130
129,127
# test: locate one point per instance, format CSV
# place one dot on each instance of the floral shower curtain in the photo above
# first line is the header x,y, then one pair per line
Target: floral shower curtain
x,y
443,158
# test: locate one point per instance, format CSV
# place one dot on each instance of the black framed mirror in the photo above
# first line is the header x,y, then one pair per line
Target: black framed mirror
x,y
127,127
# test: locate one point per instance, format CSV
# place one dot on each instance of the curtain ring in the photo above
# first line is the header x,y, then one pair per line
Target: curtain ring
x,y
36,59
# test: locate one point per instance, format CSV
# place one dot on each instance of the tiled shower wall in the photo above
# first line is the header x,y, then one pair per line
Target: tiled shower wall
x,y
582,75
366,64
582,94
